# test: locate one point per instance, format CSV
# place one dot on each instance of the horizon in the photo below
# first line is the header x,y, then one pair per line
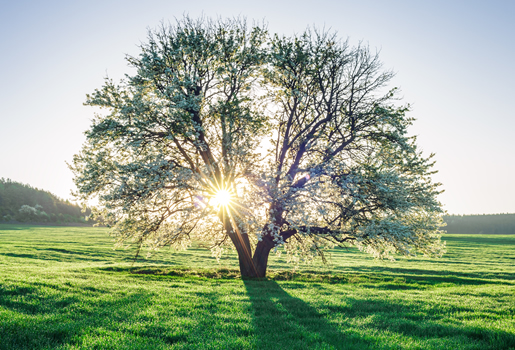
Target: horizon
x,y
77,203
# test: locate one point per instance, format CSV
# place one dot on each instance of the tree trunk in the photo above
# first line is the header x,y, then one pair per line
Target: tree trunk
x,y
247,268
252,266
242,244
260,258
263,248
261,254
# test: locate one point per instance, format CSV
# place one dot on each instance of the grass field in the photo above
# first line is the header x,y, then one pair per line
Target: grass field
x,y
66,288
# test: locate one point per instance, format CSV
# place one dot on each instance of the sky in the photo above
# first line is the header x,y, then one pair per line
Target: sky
x,y
454,64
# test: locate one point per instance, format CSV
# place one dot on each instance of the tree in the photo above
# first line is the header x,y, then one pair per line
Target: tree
x,y
228,135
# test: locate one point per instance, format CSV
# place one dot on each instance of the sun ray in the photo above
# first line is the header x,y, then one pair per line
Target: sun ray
x,y
222,198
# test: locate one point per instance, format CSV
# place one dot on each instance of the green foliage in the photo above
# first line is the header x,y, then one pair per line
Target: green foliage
x,y
481,224
25,203
66,288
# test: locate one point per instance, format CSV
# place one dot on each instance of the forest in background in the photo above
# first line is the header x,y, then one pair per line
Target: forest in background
x,y
481,224
24,203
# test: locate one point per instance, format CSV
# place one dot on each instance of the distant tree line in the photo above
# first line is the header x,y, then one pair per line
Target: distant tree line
x,y
480,224
24,203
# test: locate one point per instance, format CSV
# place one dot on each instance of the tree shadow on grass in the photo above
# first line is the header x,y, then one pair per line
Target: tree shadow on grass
x,y
284,322
427,326
194,313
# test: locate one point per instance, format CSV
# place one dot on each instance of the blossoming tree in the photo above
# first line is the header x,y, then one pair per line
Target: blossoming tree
x,y
226,134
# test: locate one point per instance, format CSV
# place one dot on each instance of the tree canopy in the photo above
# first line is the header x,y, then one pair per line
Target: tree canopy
x,y
227,134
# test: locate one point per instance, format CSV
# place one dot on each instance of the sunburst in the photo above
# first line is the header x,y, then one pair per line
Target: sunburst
x,y
222,198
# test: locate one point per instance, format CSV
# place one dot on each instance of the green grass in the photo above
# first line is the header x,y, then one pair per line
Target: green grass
x,y
66,288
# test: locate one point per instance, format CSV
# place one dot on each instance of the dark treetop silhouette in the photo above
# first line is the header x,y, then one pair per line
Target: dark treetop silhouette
x,y
225,131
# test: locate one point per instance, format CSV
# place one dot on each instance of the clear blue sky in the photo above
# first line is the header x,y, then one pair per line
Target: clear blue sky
x,y
454,62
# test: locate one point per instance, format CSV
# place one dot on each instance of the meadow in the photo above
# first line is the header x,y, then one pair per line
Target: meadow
x,y
67,288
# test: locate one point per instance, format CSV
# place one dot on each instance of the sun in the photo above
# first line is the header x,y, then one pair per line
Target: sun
x,y
222,198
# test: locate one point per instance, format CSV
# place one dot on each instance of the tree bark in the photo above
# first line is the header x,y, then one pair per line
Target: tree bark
x,y
242,244
260,258
262,252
